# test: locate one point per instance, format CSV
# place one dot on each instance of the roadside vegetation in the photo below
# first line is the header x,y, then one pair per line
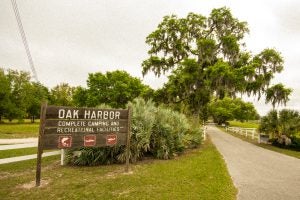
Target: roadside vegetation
x,y
288,152
280,149
197,174
158,132
283,127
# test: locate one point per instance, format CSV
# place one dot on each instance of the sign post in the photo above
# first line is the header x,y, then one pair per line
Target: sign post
x,y
40,145
70,127
128,140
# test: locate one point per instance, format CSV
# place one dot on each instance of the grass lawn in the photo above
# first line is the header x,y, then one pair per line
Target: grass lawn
x,y
17,152
250,124
198,174
16,130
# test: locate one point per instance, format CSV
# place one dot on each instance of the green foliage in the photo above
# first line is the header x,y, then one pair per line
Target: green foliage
x,y
18,83
289,122
20,97
269,123
286,122
80,96
230,109
167,133
4,93
278,94
115,88
37,93
206,57
61,95
156,131
143,119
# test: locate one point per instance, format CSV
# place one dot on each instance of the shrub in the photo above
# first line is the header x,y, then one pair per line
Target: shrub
x,y
295,143
156,131
143,117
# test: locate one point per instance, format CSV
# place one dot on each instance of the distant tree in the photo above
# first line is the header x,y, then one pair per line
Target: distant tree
x,y
244,111
80,96
206,57
36,93
61,95
289,122
147,93
270,124
5,93
222,110
278,94
115,89
19,83
285,122
226,109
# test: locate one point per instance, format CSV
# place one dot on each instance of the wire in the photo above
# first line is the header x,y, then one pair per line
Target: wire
x,y
23,36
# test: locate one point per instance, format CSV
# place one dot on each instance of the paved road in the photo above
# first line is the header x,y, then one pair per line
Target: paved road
x,y
258,173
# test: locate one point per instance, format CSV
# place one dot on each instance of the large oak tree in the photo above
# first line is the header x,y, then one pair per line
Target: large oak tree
x,y
206,57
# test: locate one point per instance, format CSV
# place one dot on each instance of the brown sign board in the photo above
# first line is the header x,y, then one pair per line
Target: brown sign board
x,y
64,125
68,127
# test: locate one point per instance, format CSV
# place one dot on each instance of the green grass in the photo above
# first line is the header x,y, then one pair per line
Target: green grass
x,y
250,124
199,174
18,169
288,152
17,152
16,130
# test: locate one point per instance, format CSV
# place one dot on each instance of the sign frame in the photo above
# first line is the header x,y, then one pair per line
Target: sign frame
x,y
77,123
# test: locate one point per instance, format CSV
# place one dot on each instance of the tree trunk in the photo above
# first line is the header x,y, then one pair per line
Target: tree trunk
x,y
32,119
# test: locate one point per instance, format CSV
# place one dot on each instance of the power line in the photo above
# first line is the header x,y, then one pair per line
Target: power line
x,y
23,36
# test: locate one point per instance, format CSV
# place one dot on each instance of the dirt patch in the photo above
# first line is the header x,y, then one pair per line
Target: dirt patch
x,y
116,173
5,175
31,185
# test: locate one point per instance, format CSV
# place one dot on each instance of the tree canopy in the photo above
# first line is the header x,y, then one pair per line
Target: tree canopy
x,y
114,88
19,97
206,57
277,94
230,109
62,94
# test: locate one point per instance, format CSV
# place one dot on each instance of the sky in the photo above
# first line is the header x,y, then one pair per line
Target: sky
x,y
69,39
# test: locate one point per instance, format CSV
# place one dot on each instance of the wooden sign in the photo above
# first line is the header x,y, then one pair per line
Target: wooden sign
x,y
75,124
70,127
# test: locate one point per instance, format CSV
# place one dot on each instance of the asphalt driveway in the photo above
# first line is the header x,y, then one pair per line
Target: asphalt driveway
x,y
258,173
